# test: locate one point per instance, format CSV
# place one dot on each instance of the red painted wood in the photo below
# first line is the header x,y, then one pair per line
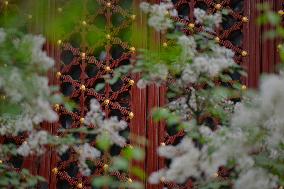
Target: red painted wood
x,y
261,58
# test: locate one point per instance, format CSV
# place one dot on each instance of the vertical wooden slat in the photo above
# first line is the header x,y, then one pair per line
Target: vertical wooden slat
x,y
251,43
138,96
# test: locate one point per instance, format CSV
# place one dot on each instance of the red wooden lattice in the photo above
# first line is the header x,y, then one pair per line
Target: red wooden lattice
x,y
82,65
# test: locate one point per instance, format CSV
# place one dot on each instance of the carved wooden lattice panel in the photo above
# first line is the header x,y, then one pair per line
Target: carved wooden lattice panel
x,y
229,34
81,67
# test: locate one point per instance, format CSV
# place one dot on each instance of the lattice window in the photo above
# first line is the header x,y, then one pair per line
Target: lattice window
x,y
229,34
84,65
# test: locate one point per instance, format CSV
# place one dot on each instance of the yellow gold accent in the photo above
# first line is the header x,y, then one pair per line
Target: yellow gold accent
x,y
131,82
107,69
1,161
106,102
215,175
132,49
130,146
280,187
162,179
6,3
131,115
218,6
82,87
56,107
84,23
108,36
80,185
281,12
167,13
59,9
58,75
55,170
129,180
217,39
82,120
59,42
191,25
165,44
279,47
83,55
30,16
108,4
245,19
133,16
244,87
106,167
244,53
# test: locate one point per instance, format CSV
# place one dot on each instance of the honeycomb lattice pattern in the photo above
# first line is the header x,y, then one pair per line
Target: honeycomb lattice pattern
x,y
230,35
82,66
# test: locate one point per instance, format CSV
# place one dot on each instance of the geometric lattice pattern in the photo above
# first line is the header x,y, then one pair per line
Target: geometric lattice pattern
x,y
229,34
81,68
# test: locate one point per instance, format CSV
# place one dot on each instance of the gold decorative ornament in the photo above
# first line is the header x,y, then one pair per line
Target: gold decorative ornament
x,y
80,185
281,12
56,107
131,82
83,55
133,16
244,53
215,175
107,69
58,75
244,87
279,47
106,102
218,6
55,170
217,39
131,115
165,44
1,161
129,180
191,25
108,36
106,167
59,42
132,49
84,23
108,4
82,120
245,19
82,87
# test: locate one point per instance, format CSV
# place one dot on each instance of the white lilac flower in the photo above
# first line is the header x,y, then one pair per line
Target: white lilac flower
x,y
142,83
111,126
159,14
38,56
188,46
34,144
86,152
210,20
15,125
254,179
